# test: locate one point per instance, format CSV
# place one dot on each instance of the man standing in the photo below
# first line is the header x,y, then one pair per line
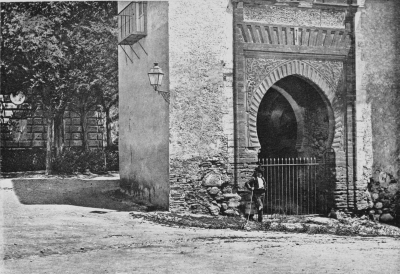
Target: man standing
x,y
257,186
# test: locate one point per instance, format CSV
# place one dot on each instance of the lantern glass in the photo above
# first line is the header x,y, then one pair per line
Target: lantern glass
x,y
156,76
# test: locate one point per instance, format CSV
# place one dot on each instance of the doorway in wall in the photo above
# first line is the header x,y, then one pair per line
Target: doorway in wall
x,y
293,128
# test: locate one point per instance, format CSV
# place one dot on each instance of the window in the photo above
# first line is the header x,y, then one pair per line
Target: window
x,y
132,23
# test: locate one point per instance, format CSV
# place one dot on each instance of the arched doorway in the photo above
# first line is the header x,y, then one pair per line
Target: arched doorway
x,y
293,120
295,131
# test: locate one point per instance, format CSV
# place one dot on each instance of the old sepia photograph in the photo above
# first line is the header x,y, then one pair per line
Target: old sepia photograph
x,y
200,136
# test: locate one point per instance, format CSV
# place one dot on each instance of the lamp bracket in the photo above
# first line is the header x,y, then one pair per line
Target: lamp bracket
x,y
164,94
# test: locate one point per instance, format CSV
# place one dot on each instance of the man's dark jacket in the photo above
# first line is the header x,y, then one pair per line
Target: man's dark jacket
x,y
253,182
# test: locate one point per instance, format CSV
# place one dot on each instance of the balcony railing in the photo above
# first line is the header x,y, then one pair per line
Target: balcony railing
x,y
132,23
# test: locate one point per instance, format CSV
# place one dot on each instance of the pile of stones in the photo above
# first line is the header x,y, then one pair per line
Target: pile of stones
x,y
203,186
216,196
384,198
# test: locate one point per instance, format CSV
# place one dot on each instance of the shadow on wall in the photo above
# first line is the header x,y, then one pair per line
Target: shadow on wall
x,y
103,194
382,22
396,101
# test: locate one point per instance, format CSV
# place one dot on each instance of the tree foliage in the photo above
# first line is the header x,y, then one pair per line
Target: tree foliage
x,y
59,54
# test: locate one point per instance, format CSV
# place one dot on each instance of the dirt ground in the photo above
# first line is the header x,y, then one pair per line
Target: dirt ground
x,y
75,239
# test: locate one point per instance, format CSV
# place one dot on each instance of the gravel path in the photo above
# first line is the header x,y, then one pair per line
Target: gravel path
x,y
72,239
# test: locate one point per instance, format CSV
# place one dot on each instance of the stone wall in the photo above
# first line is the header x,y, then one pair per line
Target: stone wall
x,y
31,132
378,95
201,114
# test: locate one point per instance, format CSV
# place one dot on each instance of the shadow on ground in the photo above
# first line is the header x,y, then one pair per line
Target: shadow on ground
x,y
87,191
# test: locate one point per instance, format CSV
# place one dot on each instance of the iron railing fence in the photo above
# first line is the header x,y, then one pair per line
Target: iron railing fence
x,y
294,186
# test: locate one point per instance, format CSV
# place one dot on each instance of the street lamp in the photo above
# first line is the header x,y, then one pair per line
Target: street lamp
x,y
155,77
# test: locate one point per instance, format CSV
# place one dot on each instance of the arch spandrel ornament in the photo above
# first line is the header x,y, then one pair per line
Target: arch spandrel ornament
x,y
262,74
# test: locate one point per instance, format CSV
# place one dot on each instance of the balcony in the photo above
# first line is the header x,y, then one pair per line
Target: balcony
x,y
132,23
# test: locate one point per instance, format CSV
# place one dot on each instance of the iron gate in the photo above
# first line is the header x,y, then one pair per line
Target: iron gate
x,y
294,186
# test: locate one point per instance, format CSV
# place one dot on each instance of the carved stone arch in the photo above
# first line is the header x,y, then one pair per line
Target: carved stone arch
x,y
296,68
297,113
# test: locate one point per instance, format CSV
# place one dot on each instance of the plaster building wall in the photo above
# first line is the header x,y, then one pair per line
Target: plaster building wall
x,y
219,62
378,95
144,114
201,114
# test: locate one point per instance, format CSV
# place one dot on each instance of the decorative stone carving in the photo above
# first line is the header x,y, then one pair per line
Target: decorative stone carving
x,y
240,34
330,18
331,70
256,71
258,68
294,16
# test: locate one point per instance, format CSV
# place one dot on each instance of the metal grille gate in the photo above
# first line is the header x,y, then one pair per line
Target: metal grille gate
x,y
294,186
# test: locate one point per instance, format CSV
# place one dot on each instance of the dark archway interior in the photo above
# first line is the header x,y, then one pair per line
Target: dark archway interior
x,y
278,127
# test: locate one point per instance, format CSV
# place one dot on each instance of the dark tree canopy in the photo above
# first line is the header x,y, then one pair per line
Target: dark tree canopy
x,y
60,55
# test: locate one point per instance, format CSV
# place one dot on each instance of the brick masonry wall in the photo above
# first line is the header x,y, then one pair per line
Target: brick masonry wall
x,y
201,114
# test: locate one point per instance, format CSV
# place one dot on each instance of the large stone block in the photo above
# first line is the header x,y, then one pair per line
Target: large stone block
x,y
76,143
212,180
25,144
38,143
37,121
36,129
92,122
92,136
76,136
75,129
38,136
94,143
92,129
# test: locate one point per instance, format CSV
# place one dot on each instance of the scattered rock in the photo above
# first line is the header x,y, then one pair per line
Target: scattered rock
x,y
231,212
393,187
386,217
214,190
232,195
224,206
212,179
332,214
320,220
233,203
375,196
378,205
227,190
214,210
